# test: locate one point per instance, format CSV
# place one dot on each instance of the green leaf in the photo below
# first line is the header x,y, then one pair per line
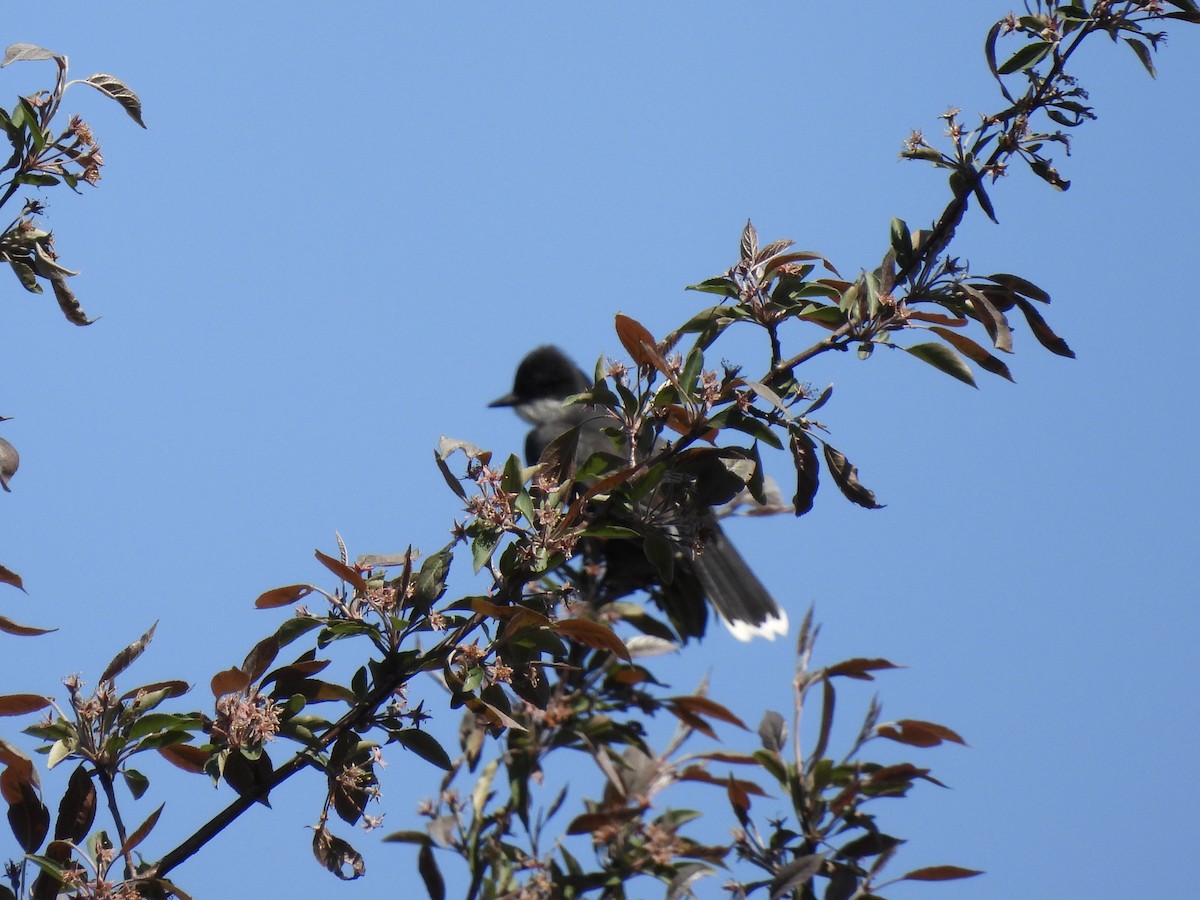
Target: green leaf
x,y
424,745
944,359
1142,52
1029,55
431,579
974,352
901,240
721,285
430,874
136,782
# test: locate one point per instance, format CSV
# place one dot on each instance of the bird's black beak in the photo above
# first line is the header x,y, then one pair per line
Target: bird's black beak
x,y
507,400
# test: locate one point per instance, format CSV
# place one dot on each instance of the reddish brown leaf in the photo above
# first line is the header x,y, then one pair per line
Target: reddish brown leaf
x,y
1043,332
349,575
1020,286
231,681
592,634
704,706
973,351
77,809
860,668
488,608
702,775
691,720
8,626
188,757
726,756
142,831
640,345
19,704
918,733
28,817
938,318
259,658
7,576
283,596
590,822
940,873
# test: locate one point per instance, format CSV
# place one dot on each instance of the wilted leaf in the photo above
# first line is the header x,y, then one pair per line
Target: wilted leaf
x,y
992,319
117,89
126,657
808,470
846,477
68,303
337,856
20,52
451,479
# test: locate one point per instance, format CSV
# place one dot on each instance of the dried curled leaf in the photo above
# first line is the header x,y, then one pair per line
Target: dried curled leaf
x,y
114,87
126,657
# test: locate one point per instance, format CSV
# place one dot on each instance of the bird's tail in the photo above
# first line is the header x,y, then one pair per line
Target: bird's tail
x,y
740,599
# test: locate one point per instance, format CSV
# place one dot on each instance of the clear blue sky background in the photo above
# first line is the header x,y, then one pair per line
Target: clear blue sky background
x,y
345,225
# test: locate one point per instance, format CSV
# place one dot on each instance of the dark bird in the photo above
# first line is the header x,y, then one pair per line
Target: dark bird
x,y
707,567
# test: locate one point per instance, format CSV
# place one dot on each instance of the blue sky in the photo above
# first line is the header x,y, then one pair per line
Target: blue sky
x,y
344,227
